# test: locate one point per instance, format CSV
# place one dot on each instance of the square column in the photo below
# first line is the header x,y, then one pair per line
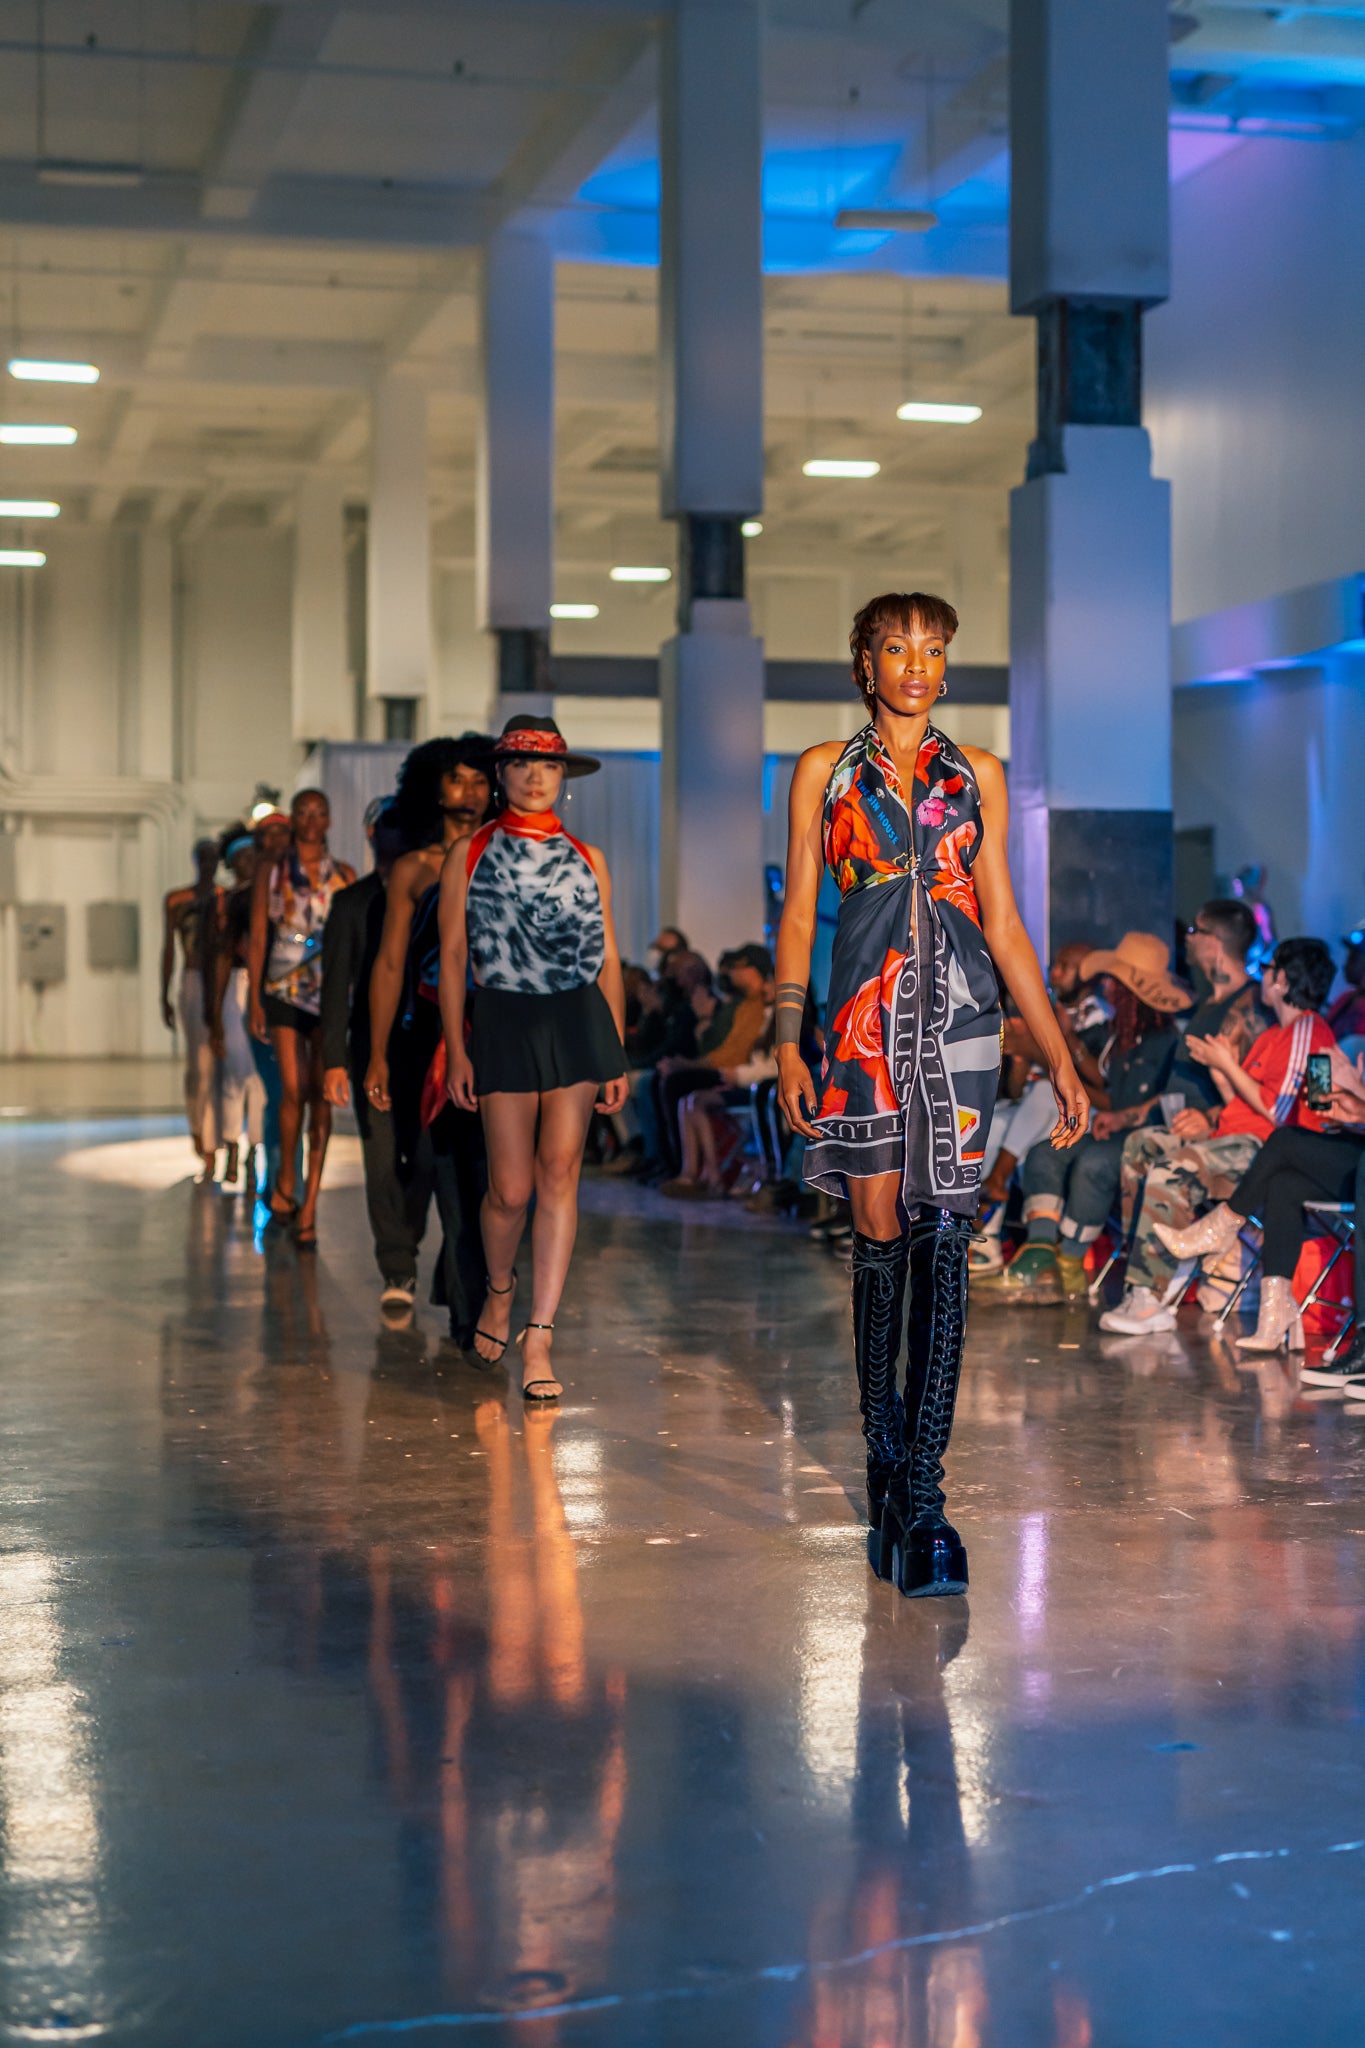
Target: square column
x,y
711,466
515,478
398,560
1090,665
322,704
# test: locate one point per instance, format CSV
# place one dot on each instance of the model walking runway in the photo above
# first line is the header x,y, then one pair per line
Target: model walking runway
x,y
914,829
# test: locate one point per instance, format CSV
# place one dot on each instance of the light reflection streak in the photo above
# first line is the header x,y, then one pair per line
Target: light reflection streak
x,y
1031,1593
50,1844
830,1674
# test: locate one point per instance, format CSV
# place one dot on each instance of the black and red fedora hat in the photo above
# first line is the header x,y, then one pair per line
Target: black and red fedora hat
x,y
529,737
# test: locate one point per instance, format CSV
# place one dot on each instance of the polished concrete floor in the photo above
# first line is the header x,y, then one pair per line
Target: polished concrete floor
x,y
345,1701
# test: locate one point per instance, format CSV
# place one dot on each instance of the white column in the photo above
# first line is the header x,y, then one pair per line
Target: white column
x,y
1090,678
161,841
398,564
156,655
323,700
711,467
515,477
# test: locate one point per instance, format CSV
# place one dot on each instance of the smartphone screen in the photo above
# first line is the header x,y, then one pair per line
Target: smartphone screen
x,y
1319,1081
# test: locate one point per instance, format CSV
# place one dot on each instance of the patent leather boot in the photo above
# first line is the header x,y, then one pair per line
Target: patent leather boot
x,y
879,1268
929,1555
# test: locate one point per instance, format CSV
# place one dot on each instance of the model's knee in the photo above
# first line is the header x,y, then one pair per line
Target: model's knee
x,y
508,1193
557,1176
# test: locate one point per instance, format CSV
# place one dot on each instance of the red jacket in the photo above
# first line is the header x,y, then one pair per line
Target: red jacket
x,y
1277,1063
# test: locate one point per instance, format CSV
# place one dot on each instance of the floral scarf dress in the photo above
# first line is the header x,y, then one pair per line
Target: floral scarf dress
x,y
912,1025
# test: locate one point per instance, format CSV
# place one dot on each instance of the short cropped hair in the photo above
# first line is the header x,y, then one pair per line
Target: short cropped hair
x,y
896,608
1308,969
1231,922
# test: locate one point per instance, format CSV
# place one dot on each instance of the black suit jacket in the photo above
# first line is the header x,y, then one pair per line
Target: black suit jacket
x,y
350,947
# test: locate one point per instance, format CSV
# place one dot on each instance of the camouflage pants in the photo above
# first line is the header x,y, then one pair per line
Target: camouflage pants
x,y
1178,1180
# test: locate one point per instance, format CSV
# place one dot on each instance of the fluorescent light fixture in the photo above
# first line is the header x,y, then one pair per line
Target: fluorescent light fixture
x,y
21,558
822,468
573,611
21,435
36,372
70,171
640,575
28,508
751,528
938,415
892,220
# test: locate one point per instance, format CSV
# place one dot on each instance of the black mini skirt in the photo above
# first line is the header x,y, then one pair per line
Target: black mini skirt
x,y
527,1044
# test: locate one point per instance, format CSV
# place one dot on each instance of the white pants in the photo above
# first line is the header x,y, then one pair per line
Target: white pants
x,y
243,1090
1017,1127
201,1076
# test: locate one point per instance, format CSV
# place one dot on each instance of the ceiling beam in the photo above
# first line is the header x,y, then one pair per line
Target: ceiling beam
x,y
260,104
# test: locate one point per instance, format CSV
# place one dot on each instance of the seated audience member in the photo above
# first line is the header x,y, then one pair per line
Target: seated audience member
x,y
1294,1166
1346,1015
728,1043
1068,1196
1177,1175
1217,944
701,1174
1027,1108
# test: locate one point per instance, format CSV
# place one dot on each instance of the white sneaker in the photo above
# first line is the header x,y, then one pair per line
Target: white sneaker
x,y
1139,1314
399,1293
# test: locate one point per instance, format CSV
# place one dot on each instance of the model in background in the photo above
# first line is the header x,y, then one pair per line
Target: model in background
x,y
290,905
189,918
241,1089
397,1210
914,828
443,795
528,912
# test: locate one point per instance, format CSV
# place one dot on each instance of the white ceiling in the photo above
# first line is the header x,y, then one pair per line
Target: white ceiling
x,y
305,187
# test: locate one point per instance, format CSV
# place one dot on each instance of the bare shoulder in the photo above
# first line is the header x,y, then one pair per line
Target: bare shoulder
x,y
815,766
986,767
595,855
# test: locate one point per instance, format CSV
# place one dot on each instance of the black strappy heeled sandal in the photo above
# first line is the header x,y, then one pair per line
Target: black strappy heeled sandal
x,y
528,1391
487,1335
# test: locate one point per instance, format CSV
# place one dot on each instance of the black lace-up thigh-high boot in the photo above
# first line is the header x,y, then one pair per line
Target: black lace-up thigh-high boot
x,y
929,1554
879,1268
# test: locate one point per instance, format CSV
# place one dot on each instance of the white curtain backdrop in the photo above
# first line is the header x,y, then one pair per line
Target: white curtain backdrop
x,y
618,810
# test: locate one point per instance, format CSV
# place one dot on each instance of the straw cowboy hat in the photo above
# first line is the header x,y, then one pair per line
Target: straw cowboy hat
x,y
539,739
1142,962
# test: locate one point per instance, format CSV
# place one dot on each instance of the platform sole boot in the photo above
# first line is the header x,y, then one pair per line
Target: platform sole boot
x,y
879,1270
929,1557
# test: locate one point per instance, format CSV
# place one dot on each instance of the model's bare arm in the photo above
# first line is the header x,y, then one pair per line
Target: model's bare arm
x,y
610,980
386,978
796,934
169,909
454,966
1012,950
256,945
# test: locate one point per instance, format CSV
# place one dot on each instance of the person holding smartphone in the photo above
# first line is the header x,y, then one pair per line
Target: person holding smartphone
x,y
1298,1162
1177,1182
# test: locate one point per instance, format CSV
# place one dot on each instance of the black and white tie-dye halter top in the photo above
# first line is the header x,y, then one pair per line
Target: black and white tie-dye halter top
x,y
533,913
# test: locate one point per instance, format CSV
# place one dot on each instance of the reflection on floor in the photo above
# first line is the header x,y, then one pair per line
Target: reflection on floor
x,y
345,1700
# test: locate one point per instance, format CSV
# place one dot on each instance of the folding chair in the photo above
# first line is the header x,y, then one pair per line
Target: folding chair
x,y
1340,1219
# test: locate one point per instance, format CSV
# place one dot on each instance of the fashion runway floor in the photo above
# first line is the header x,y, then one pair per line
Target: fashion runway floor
x,y
344,1701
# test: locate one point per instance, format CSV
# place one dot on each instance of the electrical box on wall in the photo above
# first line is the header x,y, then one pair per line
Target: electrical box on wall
x,y
42,943
111,936
9,868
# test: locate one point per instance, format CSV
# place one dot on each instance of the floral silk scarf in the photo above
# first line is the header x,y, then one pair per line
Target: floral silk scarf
x,y
912,1031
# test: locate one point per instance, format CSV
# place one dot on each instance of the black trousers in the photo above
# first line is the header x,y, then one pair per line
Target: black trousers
x,y
397,1206
459,1161
1291,1168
